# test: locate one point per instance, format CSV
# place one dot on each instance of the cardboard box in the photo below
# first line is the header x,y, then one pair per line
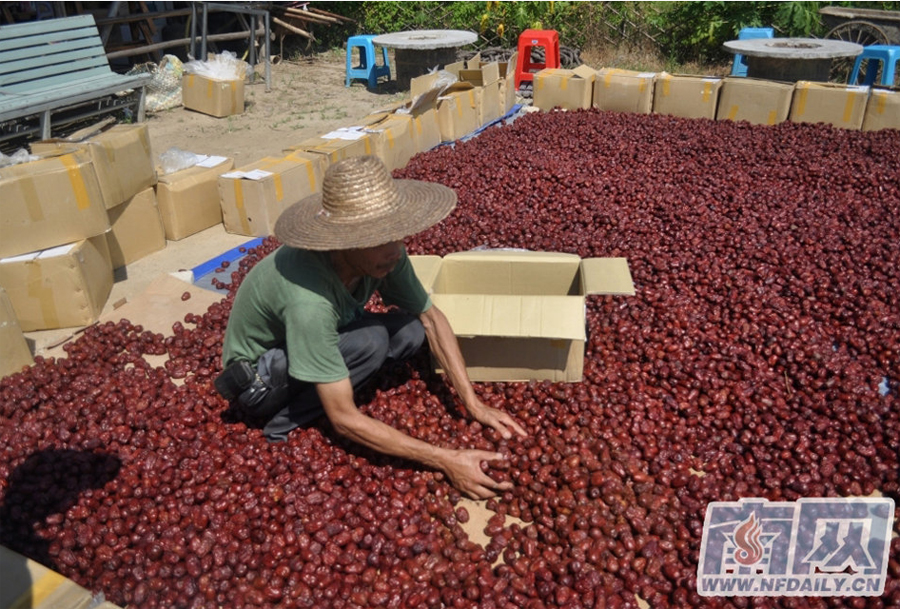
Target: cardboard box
x,y
27,583
14,351
425,129
212,96
188,200
624,91
137,229
486,77
459,111
686,96
882,109
458,104
757,101
392,137
842,106
519,316
51,201
508,82
567,89
60,287
336,145
121,156
252,197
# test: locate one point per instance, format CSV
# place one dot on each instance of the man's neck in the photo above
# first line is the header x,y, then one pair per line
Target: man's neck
x,y
346,271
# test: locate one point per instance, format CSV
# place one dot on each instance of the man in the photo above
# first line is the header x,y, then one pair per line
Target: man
x,y
299,332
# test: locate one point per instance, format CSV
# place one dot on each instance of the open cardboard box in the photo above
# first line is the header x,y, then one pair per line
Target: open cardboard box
x,y
520,315
567,89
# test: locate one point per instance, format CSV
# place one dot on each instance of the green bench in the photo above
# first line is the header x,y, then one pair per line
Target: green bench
x,y
54,73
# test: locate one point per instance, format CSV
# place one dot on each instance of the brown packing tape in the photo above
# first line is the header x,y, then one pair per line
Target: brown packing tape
x,y
773,117
707,92
43,294
849,106
235,102
32,199
76,179
880,100
239,205
666,82
801,94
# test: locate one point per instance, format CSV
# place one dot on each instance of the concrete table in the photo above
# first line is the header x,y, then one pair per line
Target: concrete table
x,y
418,51
792,59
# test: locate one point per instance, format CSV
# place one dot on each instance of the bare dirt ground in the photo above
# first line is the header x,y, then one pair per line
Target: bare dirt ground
x,y
307,98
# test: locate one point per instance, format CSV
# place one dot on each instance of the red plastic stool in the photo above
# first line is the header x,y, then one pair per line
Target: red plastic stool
x,y
549,39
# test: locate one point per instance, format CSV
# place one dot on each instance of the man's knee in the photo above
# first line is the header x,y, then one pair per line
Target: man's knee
x,y
364,348
406,340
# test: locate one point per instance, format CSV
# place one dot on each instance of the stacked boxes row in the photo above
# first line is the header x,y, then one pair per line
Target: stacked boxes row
x,y
253,196
756,101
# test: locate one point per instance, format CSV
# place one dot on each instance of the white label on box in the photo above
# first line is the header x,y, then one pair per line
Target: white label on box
x,y
345,133
211,161
256,174
711,79
646,75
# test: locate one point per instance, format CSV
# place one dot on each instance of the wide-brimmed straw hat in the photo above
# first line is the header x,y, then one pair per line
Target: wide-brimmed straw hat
x,y
360,206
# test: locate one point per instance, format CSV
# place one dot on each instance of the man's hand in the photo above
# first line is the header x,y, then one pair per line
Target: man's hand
x,y
463,467
499,420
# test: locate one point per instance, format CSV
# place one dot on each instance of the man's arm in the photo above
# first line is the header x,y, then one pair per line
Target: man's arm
x,y
463,467
445,348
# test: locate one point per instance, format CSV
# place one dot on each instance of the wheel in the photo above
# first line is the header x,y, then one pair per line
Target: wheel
x,y
858,32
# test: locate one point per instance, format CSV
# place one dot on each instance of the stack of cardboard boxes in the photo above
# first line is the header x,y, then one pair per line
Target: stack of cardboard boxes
x,y
80,209
756,101
84,207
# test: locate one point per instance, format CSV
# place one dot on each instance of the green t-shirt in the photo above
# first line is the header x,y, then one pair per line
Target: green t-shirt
x,y
294,298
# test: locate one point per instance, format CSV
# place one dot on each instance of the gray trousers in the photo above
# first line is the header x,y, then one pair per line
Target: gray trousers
x,y
366,345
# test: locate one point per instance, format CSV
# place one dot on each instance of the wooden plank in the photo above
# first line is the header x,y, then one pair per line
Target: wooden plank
x,y
32,28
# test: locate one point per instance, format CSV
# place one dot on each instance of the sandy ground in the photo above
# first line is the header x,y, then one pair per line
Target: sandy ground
x,y
307,98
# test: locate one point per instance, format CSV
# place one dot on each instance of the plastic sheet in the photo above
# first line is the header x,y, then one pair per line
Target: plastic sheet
x,y
17,158
175,159
224,66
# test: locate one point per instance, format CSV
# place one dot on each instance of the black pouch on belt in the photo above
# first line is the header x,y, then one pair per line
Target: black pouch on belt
x,y
235,379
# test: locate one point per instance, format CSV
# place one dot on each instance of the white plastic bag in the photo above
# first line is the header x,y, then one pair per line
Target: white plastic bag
x,y
175,159
224,66
17,158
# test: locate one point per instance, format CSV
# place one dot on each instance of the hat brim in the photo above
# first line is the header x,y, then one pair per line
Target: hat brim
x,y
420,205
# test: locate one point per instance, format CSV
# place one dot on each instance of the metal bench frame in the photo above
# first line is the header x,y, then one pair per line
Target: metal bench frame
x,y
59,65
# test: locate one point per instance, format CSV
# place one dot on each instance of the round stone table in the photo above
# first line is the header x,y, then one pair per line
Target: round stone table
x,y
418,51
791,59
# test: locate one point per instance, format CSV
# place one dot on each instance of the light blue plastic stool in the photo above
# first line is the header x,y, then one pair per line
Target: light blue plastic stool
x,y
368,67
887,54
739,67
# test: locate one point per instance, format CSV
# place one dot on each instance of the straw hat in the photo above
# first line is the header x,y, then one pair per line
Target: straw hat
x,y
360,206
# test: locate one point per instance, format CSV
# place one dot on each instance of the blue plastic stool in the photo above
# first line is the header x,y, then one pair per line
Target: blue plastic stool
x,y
368,68
888,55
739,67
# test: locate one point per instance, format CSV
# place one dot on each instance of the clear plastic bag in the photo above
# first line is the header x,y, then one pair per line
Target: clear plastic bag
x,y
224,66
175,159
17,158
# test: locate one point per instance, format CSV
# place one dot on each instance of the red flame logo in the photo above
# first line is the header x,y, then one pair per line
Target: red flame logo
x,y
746,537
